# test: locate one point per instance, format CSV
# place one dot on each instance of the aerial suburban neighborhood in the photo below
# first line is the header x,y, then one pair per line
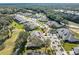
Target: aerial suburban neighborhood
x,y
39,29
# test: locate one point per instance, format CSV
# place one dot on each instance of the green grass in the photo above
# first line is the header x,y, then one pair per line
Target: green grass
x,y
68,46
17,25
1,37
10,42
76,35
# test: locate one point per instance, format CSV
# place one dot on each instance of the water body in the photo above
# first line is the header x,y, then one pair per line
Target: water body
x,y
50,5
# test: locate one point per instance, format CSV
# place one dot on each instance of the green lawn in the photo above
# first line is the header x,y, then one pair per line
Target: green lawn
x,y
76,35
1,37
69,46
10,42
17,25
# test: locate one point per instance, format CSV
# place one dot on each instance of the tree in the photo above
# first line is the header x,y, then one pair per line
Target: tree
x,y
21,42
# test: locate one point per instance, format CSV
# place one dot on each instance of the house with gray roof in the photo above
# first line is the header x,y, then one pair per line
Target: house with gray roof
x,y
53,23
76,50
66,35
63,33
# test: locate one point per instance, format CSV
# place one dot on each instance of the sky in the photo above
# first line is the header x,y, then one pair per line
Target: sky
x,y
39,1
